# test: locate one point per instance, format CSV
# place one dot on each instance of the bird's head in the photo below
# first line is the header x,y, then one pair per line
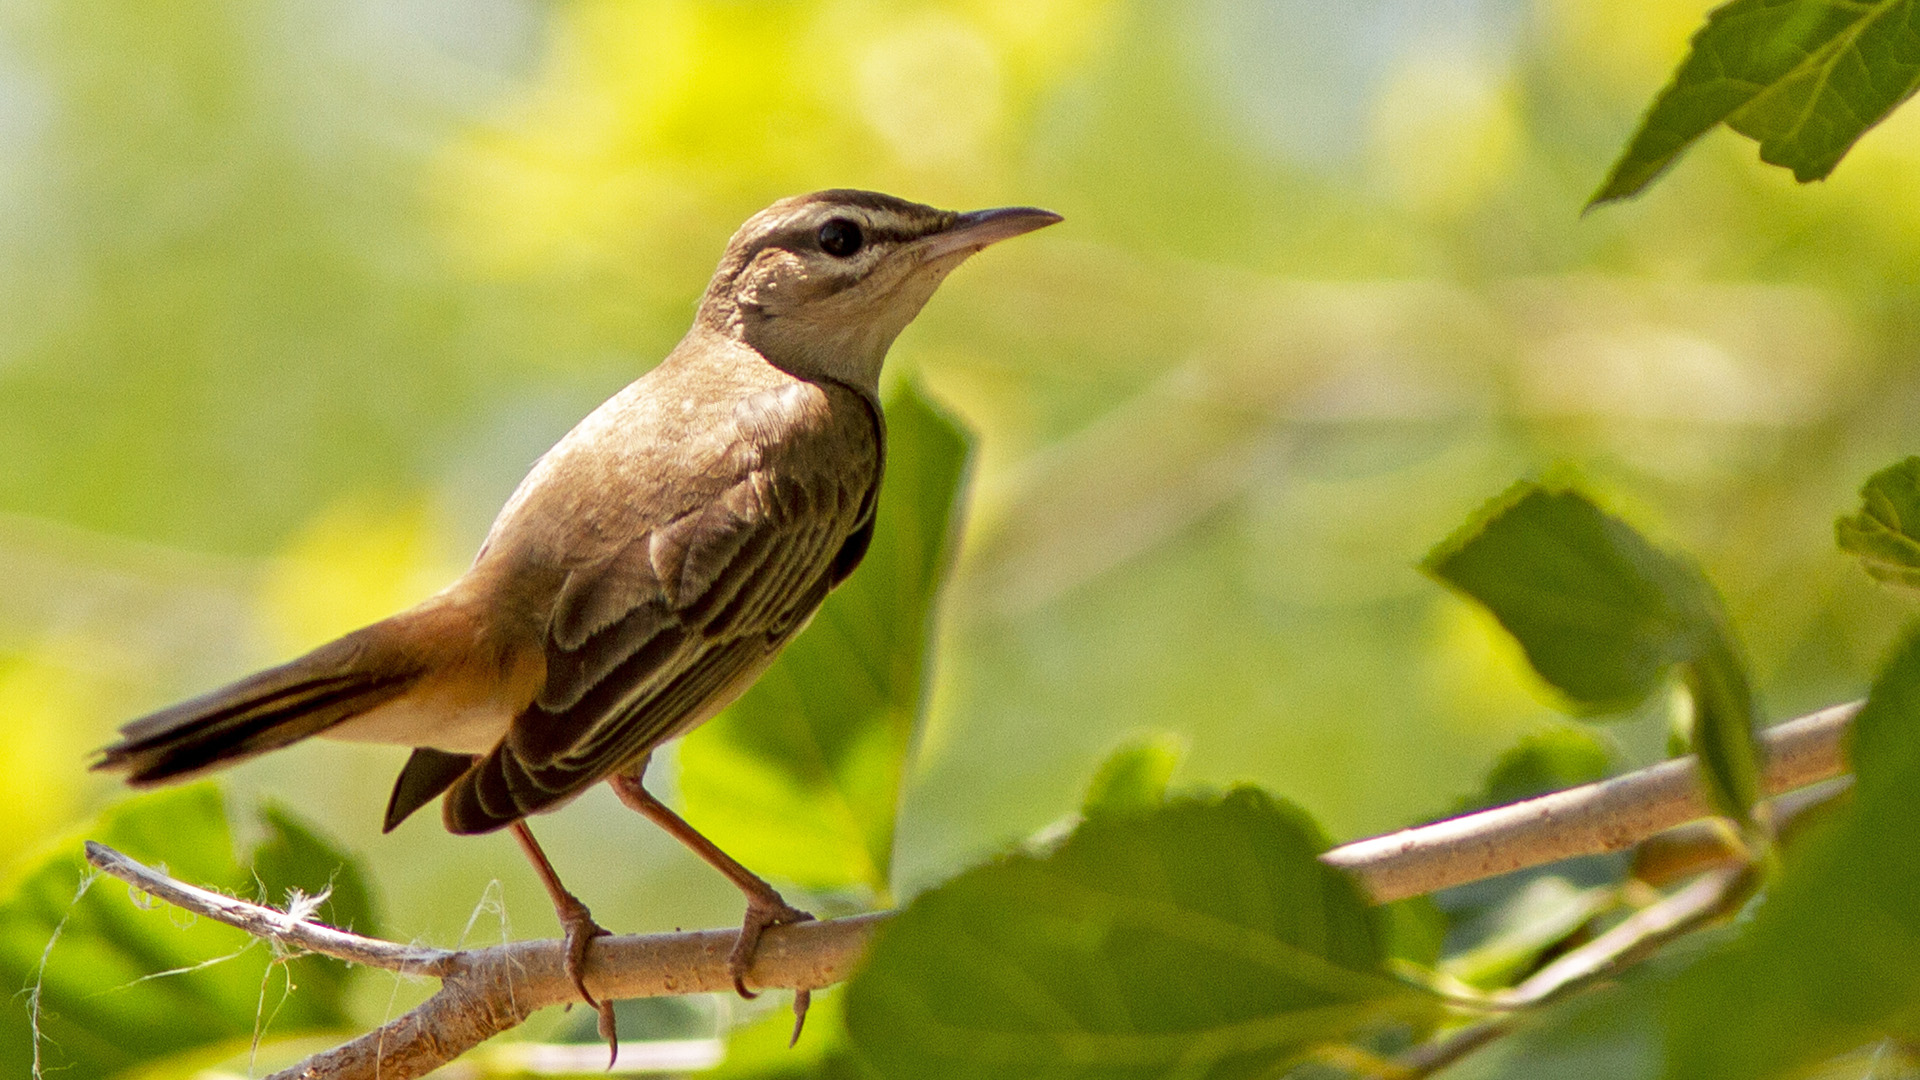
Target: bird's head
x,y
821,284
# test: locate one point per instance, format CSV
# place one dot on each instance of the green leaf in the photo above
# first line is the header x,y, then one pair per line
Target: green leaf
x,y
1203,939
1416,930
1724,718
800,779
1827,962
1586,596
1134,777
1803,78
1885,534
103,1006
1603,615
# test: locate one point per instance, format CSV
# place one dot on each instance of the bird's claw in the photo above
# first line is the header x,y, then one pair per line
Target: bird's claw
x,y
802,997
760,915
581,930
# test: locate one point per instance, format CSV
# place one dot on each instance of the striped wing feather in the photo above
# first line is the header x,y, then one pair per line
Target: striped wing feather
x,y
662,633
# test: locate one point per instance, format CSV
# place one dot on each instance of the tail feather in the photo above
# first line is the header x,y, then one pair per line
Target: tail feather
x,y
427,773
262,712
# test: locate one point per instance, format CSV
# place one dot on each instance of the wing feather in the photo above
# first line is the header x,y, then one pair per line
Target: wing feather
x,y
668,626
504,788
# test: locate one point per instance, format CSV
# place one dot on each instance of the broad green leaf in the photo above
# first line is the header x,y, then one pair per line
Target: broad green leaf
x,y
104,1004
800,779
1203,939
1803,78
1603,615
1827,962
1885,534
1416,930
1134,777
1584,594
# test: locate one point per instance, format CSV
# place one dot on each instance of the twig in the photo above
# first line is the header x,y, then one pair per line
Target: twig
x,y
1711,897
279,926
1686,850
1611,815
486,991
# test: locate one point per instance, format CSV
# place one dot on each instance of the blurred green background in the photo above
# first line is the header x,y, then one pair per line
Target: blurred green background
x,y
292,293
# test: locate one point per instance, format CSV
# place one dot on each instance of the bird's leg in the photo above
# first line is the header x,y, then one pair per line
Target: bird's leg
x,y
765,907
580,928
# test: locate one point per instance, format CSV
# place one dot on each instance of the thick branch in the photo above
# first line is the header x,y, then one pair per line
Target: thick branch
x,y
487,991
494,989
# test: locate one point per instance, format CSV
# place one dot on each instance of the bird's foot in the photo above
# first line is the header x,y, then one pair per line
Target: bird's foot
x,y
763,912
578,922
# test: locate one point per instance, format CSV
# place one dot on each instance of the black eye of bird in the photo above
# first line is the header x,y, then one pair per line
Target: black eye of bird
x,y
840,238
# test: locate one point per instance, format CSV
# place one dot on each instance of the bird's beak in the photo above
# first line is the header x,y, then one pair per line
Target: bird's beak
x,y
976,229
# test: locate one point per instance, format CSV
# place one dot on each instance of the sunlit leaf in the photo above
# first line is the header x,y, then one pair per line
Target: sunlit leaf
x,y
1603,615
1584,594
1134,777
1803,78
1885,534
801,778
1203,939
102,991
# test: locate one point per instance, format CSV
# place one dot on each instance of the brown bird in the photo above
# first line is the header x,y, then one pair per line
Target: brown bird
x,y
648,568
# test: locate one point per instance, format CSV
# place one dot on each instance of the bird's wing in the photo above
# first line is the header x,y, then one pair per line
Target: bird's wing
x,y
653,639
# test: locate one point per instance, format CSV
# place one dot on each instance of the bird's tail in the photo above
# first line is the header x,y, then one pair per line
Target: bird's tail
x,y
262,712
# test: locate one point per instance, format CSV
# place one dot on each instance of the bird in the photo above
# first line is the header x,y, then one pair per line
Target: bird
x,y
646,571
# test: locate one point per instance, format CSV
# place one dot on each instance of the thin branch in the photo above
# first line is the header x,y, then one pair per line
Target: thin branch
x,y
1611,815
1686,850
1711,897
265,922
486,991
